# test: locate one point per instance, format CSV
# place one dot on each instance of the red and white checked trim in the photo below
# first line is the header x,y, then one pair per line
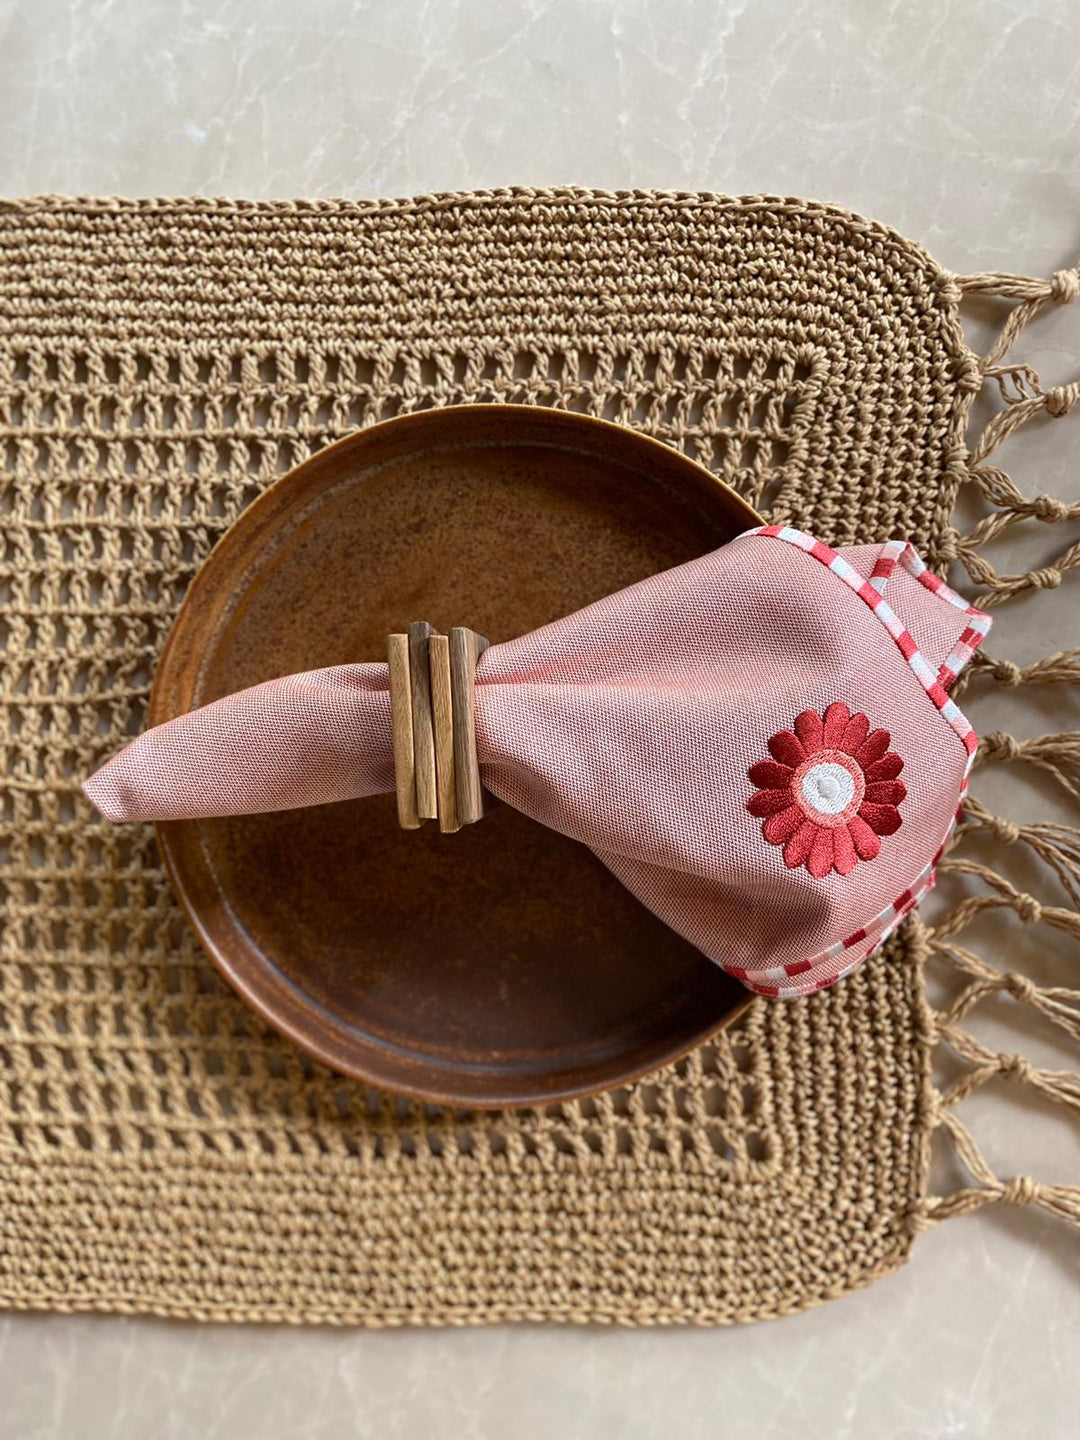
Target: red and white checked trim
x,y
777,981
904,553
872,591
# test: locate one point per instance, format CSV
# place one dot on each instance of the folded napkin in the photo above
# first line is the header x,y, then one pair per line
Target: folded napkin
x,y
759,744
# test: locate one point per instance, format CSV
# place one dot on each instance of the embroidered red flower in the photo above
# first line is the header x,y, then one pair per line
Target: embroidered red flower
x,y
829,792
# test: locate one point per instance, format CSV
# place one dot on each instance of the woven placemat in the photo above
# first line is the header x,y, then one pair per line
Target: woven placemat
x,y
160,363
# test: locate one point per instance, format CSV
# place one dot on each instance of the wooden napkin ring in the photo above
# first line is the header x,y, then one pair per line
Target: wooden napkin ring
x,y
432,680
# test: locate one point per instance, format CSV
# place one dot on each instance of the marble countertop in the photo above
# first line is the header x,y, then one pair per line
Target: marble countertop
x,y
958,123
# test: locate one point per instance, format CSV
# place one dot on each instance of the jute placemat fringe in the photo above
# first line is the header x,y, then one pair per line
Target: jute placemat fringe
x,y
1056,755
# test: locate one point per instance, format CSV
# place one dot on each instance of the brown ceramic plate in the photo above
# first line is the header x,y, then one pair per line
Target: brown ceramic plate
x,y
503,964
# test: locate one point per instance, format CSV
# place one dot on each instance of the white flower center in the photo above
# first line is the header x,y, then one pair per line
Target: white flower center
x,y
828,788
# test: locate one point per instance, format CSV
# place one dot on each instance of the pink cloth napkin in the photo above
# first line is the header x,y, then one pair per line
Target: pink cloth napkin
x,y
759,744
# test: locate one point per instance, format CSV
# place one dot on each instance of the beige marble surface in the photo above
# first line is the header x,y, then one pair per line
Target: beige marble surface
x,y
956,121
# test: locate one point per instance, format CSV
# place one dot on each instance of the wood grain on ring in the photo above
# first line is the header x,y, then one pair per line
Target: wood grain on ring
x,y
466,647
427,807
442,708
397,654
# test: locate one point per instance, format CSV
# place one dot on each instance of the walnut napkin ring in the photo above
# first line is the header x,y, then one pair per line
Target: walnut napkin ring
x,y
432,679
